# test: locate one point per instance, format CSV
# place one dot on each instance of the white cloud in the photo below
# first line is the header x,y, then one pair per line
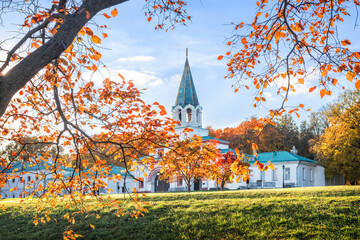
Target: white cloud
x,y
141,79
309,81
136,59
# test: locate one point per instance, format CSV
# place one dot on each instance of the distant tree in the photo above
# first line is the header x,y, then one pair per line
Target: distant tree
x,y
339,147
30,147
288,132
190,160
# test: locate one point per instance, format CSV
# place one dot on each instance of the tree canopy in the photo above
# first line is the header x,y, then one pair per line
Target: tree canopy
x,y
338,148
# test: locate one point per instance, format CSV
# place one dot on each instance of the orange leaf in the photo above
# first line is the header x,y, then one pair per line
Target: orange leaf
x,y
229,43
220,57
254,147
312,89
322,93
95,39
107,16
243,40
94,67
301,81
357,84
122,77
149,19
114,12
87,15
92,226
162,112
301,105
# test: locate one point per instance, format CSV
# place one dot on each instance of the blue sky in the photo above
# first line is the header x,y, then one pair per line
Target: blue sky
x,y
155,59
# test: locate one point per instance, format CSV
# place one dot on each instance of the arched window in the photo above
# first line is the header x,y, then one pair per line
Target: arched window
x,y
198,115
179,114
188,115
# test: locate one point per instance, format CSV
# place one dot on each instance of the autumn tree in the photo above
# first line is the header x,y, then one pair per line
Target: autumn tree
x,y
288,42
338,148
44,93
224,167
190,160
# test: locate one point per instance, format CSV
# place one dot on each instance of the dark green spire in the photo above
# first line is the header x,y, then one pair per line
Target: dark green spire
x,y
186,94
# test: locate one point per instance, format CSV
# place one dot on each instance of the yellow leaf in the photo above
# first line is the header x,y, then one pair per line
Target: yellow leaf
x,y
301,81
92,226
95,39
349,76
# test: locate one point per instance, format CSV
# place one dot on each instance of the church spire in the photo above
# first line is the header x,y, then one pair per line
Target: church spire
x,y
186,93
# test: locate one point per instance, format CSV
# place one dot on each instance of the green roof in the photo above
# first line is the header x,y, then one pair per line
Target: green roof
x,y
187,93
281,156
208,138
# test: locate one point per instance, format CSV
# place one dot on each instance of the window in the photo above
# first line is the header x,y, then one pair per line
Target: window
x,y
262,176
141,184
287,173
29,178
188,115
179,114
198,115
304,174
180,181
311,175
275,175
13,180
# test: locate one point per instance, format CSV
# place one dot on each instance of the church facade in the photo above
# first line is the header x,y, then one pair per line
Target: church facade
x,y
291,170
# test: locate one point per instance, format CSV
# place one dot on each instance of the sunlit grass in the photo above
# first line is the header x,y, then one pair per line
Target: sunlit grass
x,y
299,213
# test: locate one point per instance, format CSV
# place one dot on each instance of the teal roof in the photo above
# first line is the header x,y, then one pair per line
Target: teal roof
x,y
207,138
22,166
187,93
223,151
281,156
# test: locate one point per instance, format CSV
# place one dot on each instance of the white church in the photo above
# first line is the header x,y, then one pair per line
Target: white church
x,y
291,170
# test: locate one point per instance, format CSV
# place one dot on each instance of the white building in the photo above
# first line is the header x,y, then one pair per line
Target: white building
x,y
291,170
29,176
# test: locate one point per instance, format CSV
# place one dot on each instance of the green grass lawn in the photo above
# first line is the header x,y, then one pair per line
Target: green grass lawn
x,y
300,213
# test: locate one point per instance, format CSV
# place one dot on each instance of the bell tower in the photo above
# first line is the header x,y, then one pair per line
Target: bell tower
x,y
187,110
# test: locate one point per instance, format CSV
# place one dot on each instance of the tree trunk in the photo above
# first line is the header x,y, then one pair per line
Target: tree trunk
x,y
189,188
19,75
222,185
